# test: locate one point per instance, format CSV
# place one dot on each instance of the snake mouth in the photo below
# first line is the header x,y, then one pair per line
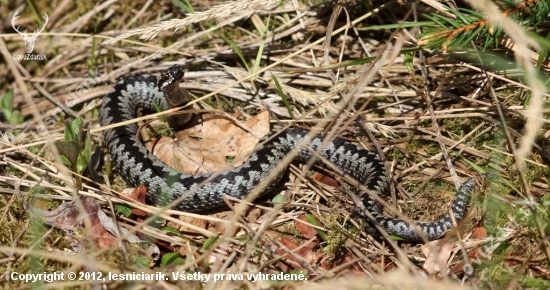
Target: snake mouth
x,y
172,76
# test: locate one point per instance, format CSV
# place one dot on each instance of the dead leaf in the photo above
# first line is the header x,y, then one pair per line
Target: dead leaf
x,y
254,215
207,146
69,217
201,223
306,230
434,260
479,233
138,194
330,261
92,222
474,254
291,261
221,227
325,179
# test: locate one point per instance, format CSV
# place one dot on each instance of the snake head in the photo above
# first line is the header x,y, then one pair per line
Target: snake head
x,y
172,76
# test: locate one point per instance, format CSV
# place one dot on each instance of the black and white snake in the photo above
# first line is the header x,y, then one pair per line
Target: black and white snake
x,y
138,166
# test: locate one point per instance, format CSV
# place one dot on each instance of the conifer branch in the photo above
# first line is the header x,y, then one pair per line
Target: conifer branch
x,y
469,25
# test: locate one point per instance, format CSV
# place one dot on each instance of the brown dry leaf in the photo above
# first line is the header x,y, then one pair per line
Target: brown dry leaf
x,y
479,233
138,195
475,253
434,260
329,262
90,223
291,261
306,230
221,227
325,179
254,215
68,217
215,227
205,147
201,223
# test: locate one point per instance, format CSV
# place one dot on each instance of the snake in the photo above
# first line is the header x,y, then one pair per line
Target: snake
x,y
205,192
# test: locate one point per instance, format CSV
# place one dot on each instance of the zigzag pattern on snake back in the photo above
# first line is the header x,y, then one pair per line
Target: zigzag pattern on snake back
x,y
138,166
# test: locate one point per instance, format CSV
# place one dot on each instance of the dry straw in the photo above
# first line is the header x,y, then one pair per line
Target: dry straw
x,y
216,12
308,98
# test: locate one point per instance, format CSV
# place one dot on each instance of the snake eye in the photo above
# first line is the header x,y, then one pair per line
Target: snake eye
x,y
163,80
173,75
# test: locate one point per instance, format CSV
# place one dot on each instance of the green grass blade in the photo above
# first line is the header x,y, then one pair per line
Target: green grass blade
x,y
397,25
39,20
235,48
187,7
311,219
261,48
283,96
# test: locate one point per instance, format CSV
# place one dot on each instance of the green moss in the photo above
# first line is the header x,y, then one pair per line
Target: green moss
x,y
335,239
395,154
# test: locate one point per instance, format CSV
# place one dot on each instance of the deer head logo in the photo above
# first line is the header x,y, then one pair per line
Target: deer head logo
x,y
29,40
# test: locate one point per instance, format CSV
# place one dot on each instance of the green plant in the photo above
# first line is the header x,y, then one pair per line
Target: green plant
x,y
467,25
75,153
14,117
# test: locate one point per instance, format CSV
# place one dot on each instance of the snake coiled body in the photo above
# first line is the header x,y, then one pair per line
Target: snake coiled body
x,y
138,166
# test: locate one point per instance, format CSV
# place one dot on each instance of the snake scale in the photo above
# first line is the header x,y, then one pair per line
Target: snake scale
x,y
138,166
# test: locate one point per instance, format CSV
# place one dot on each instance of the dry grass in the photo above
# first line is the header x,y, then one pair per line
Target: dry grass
x,y
436,125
